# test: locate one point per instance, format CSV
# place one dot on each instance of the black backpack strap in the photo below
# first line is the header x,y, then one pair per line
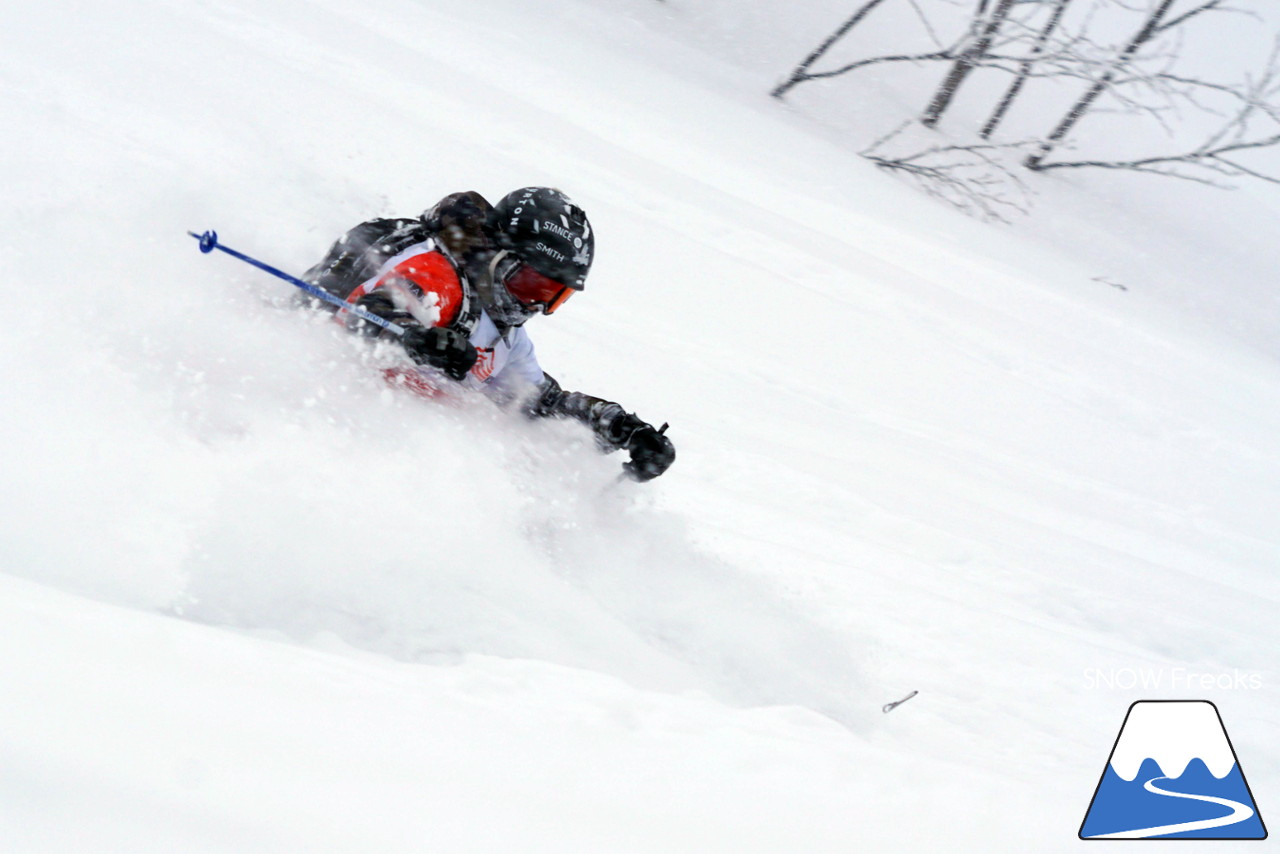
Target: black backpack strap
x,y
361,252
469,310
459,224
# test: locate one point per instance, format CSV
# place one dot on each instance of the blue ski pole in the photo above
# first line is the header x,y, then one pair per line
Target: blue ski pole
x,y
209,242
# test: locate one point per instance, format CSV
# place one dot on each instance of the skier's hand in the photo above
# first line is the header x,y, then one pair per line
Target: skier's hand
x,y
446,349
377,303
651,453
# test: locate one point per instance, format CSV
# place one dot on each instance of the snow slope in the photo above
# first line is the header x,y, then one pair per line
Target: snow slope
x,y
253,600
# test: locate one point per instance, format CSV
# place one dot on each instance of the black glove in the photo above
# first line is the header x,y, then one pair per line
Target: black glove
x,y
440,347
380,304
651,453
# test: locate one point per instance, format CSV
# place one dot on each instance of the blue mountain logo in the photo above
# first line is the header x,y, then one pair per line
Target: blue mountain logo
x,y
1173,774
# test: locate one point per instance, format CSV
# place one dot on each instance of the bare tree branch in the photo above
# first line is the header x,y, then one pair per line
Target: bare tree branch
x,y
966,62
926,23
1182,19
800,73
1211,159
1034,40
853,66
973,178
1082,106
1024,70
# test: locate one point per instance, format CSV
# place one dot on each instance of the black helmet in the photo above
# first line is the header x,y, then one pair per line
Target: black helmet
x,y
547,231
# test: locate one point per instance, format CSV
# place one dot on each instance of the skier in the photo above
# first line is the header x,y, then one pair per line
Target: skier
x,y
462,280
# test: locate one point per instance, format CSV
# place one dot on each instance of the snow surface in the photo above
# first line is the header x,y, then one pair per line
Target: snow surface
x,y
254,600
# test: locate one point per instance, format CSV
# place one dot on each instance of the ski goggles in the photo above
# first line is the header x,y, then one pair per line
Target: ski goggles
x,y
533,289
